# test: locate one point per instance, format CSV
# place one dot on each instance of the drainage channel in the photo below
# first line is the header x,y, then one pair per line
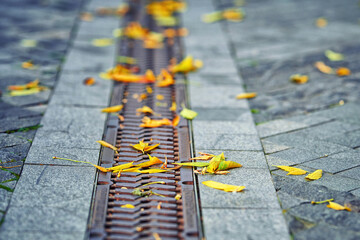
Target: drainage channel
x,y
153,216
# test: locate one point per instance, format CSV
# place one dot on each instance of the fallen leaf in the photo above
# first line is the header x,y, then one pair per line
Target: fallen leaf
x,y
343,71
299,79
297,172
145,109
215,162
86,16
89,81
139,229
321,22
233,14
178,196
204,156
292,170
28,43
188,64
338,207
121,166
108,145
315,175
28,65
225,165
176,121
126,60
194,164
144,147
164,79
224,187
152,161
127,206
322,67
117,32
152,170
16,93
72,160
159,97
152,123
188,114
29,85
159,206
173,107
102,42
149,90
156,236
246,95
112,109
334,56
324,201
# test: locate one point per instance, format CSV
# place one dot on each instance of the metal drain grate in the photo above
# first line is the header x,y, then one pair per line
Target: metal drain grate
x,y
176,219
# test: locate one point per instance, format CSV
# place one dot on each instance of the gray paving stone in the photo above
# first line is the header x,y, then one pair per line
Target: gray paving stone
x,y
334,182
221,114
278,126
10,124
84,57
41,219
323,231
73,120
244,224
356,192
238,142
204,140
209,96
248,159
5,197
270,147
99,27
337,162
259,191
62,187
351,173
288,201
43,155
45,235
224,127
295,155
10,140
72,91
349,139
38,98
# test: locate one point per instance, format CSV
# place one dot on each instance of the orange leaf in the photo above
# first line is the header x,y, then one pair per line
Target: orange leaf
x,y
164,79
323,68
29,85
152,161
176,121
246,95
299,79
108,145
343,71
173,107
112,109
89,81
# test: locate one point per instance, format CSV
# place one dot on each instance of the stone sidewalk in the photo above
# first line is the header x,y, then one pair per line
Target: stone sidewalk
x,y
286,124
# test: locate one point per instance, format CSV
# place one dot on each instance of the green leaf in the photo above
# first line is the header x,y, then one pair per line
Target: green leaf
x,y
194,164
334,56
225,165
188,114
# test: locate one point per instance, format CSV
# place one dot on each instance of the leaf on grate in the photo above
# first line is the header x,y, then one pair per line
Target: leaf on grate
x,y
144,147
224,187
176,121
145,109
188,64
188,114
152,123
152,161
127,206
108,145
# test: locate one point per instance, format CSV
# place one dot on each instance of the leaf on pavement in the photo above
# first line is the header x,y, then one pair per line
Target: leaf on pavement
x,y
299,79
343,71
321,22
315,175
188,114
102,42
224,187
225,165
204,156
322,67
246,95
338,207
292,170
89,81
112,109
334,56
28,65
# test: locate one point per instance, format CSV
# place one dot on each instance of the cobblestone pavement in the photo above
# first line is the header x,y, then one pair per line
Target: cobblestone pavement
x,y
311,126
39,31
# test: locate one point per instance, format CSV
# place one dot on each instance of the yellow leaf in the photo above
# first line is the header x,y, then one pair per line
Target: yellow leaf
x,y
173,107
149,90
28,43
233,14
321,22
188,64
145,109
215,162
112,109
176,120
152,161
108,145
156,236
152,170
28,65
334,56
15,93
246,95
322,67
343,71
212,17
188,114
225,165
121,167
297,172
144,147
29,85
152,123
159,97
337,206
178,196
315,175
299,79
102,42
224,187
117,32
164,79
132,169
324,201
128,206
194,164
